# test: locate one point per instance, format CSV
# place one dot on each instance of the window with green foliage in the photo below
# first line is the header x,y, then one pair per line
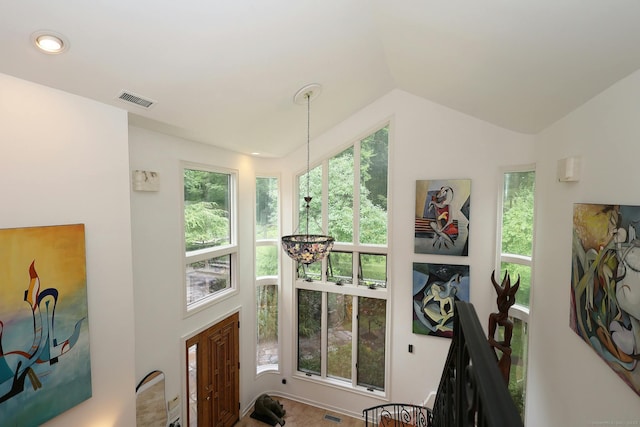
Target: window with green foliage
x,y
209,233
339,333
373,270
516,258
342,300
371,336
267,262
340,267
309,331
268,351
517,230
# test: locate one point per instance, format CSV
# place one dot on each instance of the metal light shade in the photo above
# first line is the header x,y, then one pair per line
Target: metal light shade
x,y
307,248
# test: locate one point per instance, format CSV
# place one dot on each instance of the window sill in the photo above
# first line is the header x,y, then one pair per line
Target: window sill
x,y
341,385
209,301
267,369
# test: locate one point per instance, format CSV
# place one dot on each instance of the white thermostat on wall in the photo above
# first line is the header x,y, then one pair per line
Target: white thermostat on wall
x,y
569,169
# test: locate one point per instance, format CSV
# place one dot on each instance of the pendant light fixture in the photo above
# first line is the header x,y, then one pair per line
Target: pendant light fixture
x,y
307,248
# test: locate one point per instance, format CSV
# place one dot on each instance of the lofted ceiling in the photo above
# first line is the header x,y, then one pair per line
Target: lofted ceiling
x,y
224,72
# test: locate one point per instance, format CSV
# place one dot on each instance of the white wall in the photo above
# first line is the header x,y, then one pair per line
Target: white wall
x,y
159,261
569,384
433,142
428,142
64,160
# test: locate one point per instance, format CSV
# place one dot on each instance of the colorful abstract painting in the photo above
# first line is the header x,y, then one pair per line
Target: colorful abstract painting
x,y
436,287
605,285
44,334
442,217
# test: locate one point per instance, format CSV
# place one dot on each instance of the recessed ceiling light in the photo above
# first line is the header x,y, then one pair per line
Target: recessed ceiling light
x,y
50,42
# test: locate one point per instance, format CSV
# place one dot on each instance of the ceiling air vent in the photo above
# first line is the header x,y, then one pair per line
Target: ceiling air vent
x,y
136,99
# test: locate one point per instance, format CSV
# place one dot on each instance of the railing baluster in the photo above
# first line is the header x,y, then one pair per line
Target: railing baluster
x,y
482,397
472,391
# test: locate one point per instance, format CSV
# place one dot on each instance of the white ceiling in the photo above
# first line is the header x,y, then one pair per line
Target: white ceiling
x,y
224,72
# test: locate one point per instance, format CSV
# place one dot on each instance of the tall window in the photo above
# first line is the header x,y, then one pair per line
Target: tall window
x,y
267,278
516,258
209,233
342,301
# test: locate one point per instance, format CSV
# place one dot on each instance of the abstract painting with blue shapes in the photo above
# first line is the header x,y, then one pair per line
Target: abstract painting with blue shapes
x,y
436,287
44,333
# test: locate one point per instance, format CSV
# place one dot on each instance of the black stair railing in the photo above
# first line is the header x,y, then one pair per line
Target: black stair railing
x,y
397,415
472,390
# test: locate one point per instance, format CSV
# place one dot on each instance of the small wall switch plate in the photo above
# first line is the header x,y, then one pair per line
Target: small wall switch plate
x,y
410,348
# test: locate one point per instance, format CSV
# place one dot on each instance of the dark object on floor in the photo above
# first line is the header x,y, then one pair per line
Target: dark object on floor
x,y
268,410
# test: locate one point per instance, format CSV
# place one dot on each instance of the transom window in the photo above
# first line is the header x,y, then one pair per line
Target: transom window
x,y
209,224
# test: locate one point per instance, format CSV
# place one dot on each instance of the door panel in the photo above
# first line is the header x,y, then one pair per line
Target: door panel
x,y
217,375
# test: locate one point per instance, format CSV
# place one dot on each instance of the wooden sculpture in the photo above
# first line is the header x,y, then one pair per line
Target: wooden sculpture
x,y
506,298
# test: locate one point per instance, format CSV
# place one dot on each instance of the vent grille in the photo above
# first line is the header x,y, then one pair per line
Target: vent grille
x,y
136,99
332,418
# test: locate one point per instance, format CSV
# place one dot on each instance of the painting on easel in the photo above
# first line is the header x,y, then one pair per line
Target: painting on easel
x,y
44,334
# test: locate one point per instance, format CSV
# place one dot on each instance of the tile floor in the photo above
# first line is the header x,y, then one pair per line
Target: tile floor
x,y
302,415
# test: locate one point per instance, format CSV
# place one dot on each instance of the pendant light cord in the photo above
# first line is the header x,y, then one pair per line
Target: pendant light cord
x,y
307,248
308,135
308,198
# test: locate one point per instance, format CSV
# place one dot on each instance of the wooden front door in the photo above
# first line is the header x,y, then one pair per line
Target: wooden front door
x,y
215,352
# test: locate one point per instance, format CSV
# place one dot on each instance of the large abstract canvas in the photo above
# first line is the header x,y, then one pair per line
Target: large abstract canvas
x,y
436,287
605,285
44,335
442,217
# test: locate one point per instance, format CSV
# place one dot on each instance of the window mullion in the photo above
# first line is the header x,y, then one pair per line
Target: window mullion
x,y
356,267
356,193
499,218
324,336
324,212
355,340
232,196
356,212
